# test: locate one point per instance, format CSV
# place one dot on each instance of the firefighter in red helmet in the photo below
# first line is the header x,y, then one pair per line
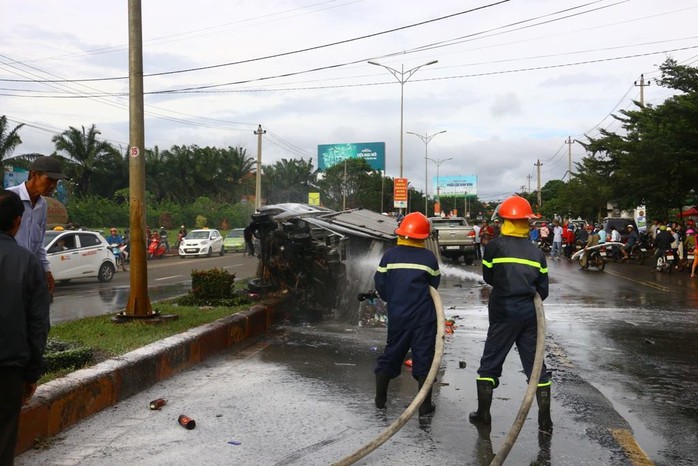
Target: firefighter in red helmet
x,y
402,280
517,270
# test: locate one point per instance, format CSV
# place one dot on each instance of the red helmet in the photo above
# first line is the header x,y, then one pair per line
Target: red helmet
x,y
414,225
515,207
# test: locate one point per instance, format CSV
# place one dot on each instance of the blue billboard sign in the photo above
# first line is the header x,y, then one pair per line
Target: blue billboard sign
x,y
332,154
455,185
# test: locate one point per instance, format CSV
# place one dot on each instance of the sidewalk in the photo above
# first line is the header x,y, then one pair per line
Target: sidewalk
x,y
66,401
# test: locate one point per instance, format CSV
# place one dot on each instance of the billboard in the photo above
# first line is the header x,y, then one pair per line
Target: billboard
x,y
455,185
400,191
331,154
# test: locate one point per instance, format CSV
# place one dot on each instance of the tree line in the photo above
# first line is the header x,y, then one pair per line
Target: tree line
x,y
651,161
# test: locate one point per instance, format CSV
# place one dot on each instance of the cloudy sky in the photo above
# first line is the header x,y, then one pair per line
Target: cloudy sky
x,y
514,78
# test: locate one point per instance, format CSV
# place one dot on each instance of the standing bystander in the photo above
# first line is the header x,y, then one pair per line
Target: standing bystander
x,y
24,323
476,230
44,173
557,240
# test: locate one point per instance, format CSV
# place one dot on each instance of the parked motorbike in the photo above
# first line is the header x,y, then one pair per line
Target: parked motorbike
x,y
156,249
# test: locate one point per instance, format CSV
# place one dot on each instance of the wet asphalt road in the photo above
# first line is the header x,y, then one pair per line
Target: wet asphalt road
x,y
167,277
621,344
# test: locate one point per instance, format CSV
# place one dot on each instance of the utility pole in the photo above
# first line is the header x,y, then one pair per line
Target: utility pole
x,y
642,84
569,143
540,200
529,182
258,185
138,301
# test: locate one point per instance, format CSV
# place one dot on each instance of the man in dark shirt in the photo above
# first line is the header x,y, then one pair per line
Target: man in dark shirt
x,y
24,323
662,242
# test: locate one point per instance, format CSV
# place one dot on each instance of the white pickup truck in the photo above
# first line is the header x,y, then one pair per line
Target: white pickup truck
x,y
456,238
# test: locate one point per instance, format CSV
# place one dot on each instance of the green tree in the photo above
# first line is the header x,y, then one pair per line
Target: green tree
x,y
86,154
288,181
352,184
9,140
652,160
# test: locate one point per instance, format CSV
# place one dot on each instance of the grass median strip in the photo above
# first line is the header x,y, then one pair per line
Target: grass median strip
x,y
107,339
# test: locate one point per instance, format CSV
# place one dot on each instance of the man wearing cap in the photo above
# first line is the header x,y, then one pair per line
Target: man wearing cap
x,y
633,239
44,174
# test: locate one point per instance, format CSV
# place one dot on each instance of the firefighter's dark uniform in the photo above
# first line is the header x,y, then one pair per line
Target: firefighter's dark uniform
x,y
402,280
516,269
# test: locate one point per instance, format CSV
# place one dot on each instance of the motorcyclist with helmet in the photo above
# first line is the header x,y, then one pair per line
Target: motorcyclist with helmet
x,y
662,242
163,238
633,239
402,279
517,270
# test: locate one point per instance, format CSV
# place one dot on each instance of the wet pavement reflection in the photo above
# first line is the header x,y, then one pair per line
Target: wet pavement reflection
x,y
621,345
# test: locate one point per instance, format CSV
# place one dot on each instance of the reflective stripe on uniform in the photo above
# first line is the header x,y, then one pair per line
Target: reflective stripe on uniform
x,y
407,265
514,260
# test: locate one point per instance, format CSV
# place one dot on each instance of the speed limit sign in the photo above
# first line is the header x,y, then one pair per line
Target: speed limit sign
x,y
134,151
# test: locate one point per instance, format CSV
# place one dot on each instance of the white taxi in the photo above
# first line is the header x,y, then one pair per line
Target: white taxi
x,y
79,254
202,242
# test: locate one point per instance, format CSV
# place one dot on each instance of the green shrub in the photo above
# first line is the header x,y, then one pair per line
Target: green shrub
x,y
215,287
61,355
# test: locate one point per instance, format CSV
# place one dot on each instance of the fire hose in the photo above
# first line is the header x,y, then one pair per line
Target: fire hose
x,y
431,376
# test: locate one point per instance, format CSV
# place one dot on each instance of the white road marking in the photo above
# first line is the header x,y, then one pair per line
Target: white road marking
x,y
167,278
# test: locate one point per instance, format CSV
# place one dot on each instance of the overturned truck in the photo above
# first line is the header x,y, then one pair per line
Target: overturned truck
x,y
322,258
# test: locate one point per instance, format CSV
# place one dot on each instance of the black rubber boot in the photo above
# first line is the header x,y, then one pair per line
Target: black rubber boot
x,y
382,381
427,407
485,389
545,423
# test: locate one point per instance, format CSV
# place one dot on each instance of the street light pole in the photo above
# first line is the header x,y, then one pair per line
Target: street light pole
x,y
426,139
438,163
402,77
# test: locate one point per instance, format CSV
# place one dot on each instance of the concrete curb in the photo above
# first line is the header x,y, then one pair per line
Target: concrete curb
x,y
64,402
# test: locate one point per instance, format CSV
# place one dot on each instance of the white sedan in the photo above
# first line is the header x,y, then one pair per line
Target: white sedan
x,y
201,243
79,254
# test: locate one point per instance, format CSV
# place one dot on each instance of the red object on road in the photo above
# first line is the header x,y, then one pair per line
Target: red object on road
x,y
408,363
186,422
157,404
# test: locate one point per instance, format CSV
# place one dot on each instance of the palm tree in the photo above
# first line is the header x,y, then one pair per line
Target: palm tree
x,y
288,181
85,151
9,140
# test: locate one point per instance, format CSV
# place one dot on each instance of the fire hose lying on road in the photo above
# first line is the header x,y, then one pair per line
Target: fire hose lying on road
x,y
431,376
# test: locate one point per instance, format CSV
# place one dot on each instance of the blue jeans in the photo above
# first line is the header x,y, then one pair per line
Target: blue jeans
x,y
557,246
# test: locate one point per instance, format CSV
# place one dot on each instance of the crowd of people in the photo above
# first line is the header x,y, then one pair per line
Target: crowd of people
x,y
565,238
562,238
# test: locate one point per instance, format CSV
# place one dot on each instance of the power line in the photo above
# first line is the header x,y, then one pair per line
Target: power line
x,y
206,89
285,54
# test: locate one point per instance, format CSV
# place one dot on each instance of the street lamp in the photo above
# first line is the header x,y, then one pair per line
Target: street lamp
x,y
402,77
426,139
438,163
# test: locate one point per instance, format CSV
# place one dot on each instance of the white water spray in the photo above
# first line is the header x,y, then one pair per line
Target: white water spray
x,y
450,271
